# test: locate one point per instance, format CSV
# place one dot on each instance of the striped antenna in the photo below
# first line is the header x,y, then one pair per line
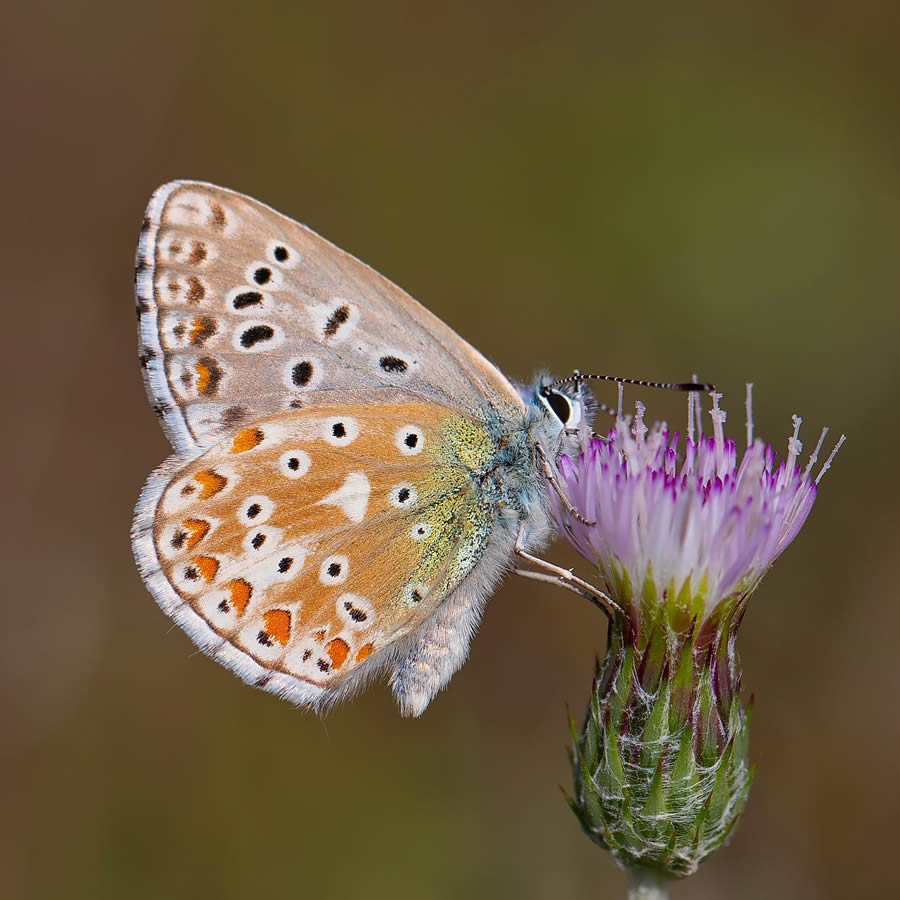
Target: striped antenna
x,y
578,377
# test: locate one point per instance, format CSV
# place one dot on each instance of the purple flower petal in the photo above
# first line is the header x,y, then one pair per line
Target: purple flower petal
x,y
707,516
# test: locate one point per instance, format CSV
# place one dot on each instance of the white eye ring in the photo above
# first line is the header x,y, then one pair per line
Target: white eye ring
x,y
574,415
420,531
410,440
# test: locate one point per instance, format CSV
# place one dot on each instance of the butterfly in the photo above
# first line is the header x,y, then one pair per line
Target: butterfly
x,y
350,478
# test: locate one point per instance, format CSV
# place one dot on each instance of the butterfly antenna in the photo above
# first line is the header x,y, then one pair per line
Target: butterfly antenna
x,y
579,377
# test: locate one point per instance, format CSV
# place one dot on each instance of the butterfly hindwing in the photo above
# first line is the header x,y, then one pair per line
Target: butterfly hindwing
x,y
244,312
302,549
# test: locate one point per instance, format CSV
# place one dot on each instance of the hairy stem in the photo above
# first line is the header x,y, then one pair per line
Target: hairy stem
x,y
645,884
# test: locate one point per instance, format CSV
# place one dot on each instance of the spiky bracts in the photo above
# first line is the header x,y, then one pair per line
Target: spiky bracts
x,y
660,764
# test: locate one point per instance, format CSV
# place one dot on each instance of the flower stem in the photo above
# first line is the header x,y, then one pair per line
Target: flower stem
x,y
645,884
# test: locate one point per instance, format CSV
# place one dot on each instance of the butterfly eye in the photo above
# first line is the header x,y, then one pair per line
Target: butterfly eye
x,y
403,496
409,440
334,570
560,405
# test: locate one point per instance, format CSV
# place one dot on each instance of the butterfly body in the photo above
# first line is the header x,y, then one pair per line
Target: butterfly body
x,y
350,478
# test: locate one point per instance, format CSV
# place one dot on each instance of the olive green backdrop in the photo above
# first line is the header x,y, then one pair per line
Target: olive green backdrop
x,y
650,192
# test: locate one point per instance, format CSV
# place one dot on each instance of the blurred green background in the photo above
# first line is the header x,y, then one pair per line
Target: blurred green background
x,y
646,191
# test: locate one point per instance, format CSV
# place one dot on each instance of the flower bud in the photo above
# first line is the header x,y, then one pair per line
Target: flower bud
x,y
661,762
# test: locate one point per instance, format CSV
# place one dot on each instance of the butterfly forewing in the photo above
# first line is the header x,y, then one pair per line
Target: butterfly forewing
x,y
244,312
311,541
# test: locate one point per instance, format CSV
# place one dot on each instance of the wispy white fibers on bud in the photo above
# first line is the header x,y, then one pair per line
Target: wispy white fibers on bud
x,y
682,536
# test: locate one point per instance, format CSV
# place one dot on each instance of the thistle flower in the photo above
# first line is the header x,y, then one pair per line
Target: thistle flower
x,y
681,541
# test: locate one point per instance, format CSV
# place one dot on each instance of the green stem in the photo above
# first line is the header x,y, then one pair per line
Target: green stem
x,y
645,884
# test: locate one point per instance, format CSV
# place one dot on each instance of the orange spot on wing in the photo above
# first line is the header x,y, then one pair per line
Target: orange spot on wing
x,y
198,529
202,328
207,566
247,440
241,592
210,483
278,625
364,652
204,377
338,650
319,636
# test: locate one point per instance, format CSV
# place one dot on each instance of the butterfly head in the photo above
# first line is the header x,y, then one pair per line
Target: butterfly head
x,y
559,408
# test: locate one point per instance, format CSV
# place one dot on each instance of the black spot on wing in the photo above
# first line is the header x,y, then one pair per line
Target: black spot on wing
x,y
355,613
256,334
335,320
393,364
247,299
302,373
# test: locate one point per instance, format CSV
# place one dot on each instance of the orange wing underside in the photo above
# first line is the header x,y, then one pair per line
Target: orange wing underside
x,y
312,539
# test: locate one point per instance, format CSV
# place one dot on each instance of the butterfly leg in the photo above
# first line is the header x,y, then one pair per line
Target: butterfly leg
x,y
551,477
547,578
564,577
436,650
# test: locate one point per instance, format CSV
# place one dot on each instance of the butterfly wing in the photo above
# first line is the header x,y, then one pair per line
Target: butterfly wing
x,y
302,550
244,312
